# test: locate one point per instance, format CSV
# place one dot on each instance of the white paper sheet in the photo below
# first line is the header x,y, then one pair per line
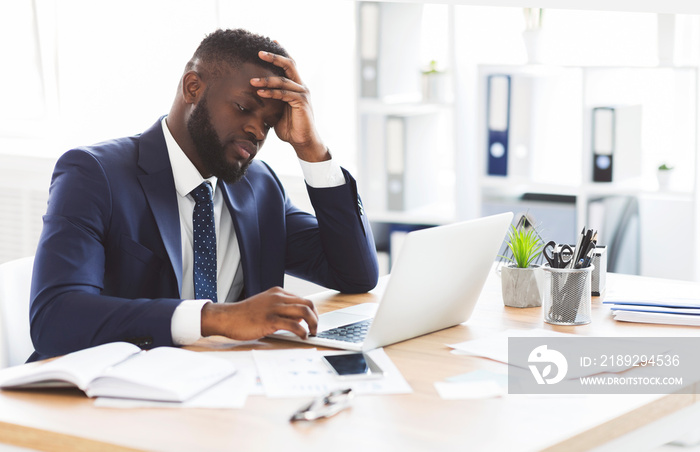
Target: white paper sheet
x,y
653,308
277,373
496,347
469,390
480,375
247,370
302,373
663,318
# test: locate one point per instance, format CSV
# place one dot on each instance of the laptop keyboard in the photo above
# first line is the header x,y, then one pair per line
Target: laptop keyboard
x,y
354,332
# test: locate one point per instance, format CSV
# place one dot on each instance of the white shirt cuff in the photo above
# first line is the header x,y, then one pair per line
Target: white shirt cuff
x,y
326,174
186,324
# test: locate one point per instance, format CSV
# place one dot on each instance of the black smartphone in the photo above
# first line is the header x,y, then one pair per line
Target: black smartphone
x,y
353,366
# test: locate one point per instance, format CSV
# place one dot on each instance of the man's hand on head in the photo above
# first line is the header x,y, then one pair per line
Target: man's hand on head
x,y
296,126
259,316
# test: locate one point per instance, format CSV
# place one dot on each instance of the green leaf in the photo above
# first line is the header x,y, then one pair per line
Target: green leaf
x,y
525,245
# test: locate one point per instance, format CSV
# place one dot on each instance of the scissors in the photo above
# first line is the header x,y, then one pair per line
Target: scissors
x,y
558,256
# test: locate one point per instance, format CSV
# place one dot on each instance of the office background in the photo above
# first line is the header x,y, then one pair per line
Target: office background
x,y
77,72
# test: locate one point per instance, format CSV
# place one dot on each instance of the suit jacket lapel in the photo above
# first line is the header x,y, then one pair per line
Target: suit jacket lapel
x,y
240,199
159,187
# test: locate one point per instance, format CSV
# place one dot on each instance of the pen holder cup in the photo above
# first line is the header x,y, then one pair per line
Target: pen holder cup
x,y
567,295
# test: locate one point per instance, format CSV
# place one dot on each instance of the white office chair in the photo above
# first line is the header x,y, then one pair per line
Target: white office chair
x,y
15,282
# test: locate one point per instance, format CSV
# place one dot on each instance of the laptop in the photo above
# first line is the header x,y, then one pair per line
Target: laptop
x,y
434,284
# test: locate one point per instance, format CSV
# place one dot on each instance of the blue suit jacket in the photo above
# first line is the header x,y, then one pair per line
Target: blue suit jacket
x,y
109,262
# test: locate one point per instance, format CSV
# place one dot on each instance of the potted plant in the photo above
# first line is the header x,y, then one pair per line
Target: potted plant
x,y
533,34
522,281
436,84
663,174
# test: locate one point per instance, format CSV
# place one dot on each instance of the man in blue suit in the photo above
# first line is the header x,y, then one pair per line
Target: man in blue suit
x,y
121,257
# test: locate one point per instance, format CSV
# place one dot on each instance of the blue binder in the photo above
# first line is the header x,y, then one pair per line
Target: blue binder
x,y
498,123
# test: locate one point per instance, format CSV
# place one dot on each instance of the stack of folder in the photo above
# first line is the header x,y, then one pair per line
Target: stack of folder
x,y
669,311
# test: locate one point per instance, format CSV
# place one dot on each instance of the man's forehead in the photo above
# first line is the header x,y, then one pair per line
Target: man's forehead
x,y
246,71
254,97
239,79
239,84
213,70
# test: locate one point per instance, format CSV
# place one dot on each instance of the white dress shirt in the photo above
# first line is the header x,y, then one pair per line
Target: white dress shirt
x,y
186,320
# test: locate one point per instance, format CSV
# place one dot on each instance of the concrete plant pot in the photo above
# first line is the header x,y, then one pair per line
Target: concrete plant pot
x,y
522,287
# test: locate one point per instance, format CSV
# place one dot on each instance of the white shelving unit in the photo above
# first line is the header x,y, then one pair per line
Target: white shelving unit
x,y
562,163
564,168
427,156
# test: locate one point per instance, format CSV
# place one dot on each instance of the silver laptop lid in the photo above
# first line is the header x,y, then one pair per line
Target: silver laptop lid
x,y
437,279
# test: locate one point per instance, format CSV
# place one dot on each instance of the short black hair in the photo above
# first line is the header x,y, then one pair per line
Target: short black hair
x,y
224,49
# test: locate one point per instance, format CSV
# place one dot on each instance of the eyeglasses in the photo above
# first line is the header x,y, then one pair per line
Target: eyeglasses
x,y
324,406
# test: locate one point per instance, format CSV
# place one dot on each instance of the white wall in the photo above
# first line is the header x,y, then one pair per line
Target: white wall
x,y
81,71
77,72
111,68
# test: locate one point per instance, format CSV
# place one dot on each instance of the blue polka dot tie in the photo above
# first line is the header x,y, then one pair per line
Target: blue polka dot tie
x,y
204,243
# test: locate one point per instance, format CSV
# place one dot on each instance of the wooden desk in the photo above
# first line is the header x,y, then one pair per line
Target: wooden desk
x,y
67,420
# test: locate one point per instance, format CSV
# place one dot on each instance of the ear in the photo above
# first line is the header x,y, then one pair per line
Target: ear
x,y
192,87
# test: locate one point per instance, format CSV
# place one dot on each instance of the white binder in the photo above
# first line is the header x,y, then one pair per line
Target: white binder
x,y
411,169
369,47
389,44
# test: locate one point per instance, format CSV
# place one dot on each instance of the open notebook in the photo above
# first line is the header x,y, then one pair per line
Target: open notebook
x,y
123,370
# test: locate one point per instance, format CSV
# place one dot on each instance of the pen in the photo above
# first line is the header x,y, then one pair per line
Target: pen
x,y
589,256
584,244
577,248
586,252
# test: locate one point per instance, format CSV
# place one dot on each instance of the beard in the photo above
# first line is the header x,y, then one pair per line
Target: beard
x,y
209,148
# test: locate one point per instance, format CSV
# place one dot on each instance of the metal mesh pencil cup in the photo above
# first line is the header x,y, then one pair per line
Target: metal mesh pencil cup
x,y
567,295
